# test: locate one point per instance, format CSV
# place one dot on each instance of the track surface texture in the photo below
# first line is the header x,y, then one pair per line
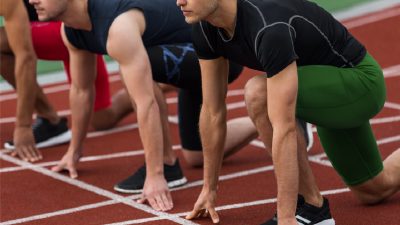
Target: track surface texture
x,y
32,194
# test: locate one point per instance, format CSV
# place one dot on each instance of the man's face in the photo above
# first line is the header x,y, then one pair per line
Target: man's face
x,y
49,10
197,10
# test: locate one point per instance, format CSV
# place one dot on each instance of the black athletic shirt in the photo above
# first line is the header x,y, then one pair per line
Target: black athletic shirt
x,y
33,16
270,34
164,23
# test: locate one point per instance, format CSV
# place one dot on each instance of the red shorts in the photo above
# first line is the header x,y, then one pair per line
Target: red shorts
x,y
49,45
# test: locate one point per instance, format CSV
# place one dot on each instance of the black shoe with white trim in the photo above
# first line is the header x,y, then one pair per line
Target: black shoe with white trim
x,y
47,134
134,184
307,214
306,128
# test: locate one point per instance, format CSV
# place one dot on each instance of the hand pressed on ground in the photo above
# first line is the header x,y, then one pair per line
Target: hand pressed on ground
x,y
205,206
156,192
68,162
25,146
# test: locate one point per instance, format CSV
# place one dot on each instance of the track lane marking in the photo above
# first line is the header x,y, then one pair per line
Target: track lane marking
x,y
168,100
372,18
227,207
110,202
83,159
93,189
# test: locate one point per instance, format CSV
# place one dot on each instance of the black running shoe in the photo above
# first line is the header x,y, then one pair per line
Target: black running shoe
x,y
306,128
307,214
47,134
134,184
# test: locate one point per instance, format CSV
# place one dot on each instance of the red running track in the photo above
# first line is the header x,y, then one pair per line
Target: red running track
x,y
247,190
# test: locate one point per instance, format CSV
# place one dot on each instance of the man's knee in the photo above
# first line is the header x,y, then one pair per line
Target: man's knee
x,y
373,191
103,119
193,158
255,94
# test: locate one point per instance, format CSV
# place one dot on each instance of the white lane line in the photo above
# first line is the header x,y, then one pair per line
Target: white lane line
x,y
83,159
61,212
372,18
392,71
13,119
318,158
364,9
168,100
93,189
189,185
392,105
388,140
379,120
58,88
227,207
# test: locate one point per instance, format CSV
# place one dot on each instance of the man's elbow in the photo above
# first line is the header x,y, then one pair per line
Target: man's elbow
x,y
214,114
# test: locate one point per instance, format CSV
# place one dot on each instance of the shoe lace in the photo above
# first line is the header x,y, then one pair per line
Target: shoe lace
x,y
38,122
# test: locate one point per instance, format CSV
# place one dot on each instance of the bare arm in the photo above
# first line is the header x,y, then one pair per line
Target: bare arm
x,y
212,130
82,94
282,94
19,36
125,46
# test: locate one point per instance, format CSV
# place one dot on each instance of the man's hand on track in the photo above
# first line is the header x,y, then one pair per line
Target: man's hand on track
x,y
68,162
156,192
25,146
205,206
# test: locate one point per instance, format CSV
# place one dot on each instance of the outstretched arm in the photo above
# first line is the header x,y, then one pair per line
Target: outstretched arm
x,y
19,37
125,46
282,94
82,93
213,131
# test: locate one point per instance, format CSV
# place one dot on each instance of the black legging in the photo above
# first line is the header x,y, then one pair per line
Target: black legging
x,y
177,65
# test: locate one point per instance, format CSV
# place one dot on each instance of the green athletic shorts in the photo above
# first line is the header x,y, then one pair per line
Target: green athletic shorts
x,y
340,102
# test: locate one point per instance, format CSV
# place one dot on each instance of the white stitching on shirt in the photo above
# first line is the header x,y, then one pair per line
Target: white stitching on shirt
x,y
290,26
206,36
323,35
265,24
255,43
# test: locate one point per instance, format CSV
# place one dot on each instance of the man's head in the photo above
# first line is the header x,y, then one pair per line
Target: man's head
x,y
49,10
197,10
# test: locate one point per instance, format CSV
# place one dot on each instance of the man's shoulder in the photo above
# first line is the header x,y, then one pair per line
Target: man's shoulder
x,y
269,9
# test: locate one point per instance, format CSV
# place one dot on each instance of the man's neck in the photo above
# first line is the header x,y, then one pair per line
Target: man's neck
x,y
225,16
77,16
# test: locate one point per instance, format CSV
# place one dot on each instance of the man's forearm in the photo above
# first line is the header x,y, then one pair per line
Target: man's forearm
x,y
213,135
25,76
150,129
284,154
81,102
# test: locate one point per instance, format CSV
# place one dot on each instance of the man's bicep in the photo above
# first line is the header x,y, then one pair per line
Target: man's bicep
x,y
214,80
274,49
82,68
16,24
282,95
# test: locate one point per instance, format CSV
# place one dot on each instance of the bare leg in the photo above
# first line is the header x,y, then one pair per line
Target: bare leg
x,y
121,106
42,106
240,132
256,102
167,88
382,186
108,117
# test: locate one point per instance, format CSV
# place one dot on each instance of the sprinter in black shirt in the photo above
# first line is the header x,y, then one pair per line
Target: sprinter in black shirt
x,y
315,70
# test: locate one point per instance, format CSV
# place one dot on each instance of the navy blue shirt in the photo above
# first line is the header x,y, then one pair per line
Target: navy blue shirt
x,y
270,34
165,23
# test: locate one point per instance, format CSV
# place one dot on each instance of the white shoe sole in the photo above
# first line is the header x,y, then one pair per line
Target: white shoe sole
x,y
171,184
310,136
60,139
327,222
